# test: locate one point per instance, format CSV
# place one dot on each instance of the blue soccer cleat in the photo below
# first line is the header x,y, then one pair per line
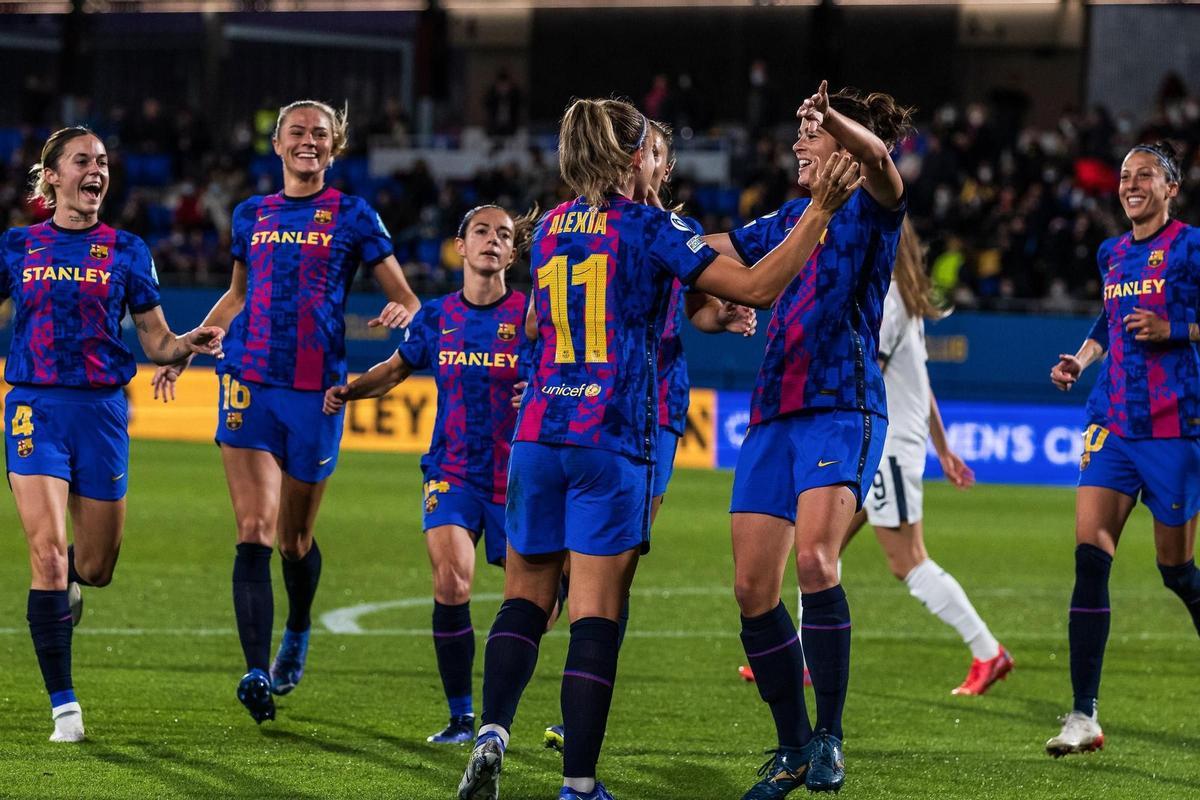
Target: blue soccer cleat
x,y
289,661
783,772
599,793
827,770
554,738
459,731
481,779
254,692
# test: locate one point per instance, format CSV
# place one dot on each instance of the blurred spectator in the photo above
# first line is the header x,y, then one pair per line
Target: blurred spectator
x,y
503,105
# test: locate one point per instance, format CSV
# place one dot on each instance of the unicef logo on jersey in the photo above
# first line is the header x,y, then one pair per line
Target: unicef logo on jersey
x,y
588,390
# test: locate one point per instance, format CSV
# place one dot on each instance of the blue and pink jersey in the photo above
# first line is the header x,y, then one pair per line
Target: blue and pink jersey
x,y
673,384
823,339
70,290
602,282
1149,390
477,354
300,255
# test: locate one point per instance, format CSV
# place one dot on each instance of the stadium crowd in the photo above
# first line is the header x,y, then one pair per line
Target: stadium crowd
x,y
1012,214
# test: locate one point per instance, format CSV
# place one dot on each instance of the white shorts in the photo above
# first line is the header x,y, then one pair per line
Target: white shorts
x,y
895,495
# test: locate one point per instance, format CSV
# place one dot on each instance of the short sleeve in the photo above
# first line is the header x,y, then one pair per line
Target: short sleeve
x,y
416,348
891,329
677,248
883,218
376,242
9,246
759,236
240,234
142,293
1099,331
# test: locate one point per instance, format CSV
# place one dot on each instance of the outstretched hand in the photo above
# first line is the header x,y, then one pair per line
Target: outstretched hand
x,y
205,340
335,399
164,379
812,111
956,470
394,315
737,319
1066,371
834,181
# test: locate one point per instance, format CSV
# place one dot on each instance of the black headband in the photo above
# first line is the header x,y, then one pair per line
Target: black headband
x,y
1171,171
466,220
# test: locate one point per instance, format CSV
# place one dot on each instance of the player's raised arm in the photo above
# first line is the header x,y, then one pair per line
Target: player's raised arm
x,y
375,382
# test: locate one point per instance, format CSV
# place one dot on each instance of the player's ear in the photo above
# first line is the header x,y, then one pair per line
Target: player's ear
x,y
460,247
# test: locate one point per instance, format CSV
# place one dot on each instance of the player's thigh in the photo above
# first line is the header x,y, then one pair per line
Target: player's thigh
x,y
451,550
761,543
823,515
1100,515
534,577
99,527
600,584
42,508
255,481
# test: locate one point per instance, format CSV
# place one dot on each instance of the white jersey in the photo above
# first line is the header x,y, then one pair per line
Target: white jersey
x,y
902,349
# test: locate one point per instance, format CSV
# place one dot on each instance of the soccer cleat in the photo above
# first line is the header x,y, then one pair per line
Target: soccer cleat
x,y
827,769
747,675
554,738
68,723
1080,734
599,793
481,779
254,691
460,730
783,772
289,661
75,601
984,673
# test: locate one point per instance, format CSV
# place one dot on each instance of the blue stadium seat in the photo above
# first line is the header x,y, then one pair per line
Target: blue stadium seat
x,y
148,170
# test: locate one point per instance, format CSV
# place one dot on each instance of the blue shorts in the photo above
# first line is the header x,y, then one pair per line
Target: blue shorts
x,y
664,461
79,435
1165,471
581,499
451,504
785,456
288,423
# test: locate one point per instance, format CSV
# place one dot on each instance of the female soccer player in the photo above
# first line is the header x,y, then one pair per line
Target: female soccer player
x,y
1143,414
71,280
295,254
580,471
893,504
474,341
817,426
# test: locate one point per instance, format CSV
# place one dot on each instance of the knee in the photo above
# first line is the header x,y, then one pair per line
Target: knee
x,y
451,586
256,529
98,577
49,565
754,597
294,549
816,568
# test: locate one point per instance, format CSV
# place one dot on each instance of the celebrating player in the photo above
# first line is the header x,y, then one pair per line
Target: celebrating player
x,y
817,427
71,280
580,471
894,502
1143,434
295,254
474,340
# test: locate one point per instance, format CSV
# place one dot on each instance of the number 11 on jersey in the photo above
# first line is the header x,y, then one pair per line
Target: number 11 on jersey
x,y
592,275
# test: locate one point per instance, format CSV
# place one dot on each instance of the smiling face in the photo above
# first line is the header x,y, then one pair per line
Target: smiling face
x,y
1144,190
79,176
305,142
809,146
487,245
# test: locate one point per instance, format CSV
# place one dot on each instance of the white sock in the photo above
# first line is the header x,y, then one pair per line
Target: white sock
x,y
496,729
946,600
583,785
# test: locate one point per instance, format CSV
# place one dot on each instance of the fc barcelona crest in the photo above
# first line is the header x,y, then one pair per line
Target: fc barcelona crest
x,y
1156,258
233,420
323,216
100,251
507,331
431,503
24,447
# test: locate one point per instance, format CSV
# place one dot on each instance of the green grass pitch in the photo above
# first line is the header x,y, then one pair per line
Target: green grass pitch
x,y
156,660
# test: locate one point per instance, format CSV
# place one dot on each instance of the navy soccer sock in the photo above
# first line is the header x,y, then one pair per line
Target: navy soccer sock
x,y
587,690
253,603
622,622
1088,625
49,618
300,578
774,651
454,645
509,658
826,632
72,575
1184,580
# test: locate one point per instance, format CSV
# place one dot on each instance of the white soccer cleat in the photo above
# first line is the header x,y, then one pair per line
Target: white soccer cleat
x,y
1080,734
68,723
75,602
481,780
